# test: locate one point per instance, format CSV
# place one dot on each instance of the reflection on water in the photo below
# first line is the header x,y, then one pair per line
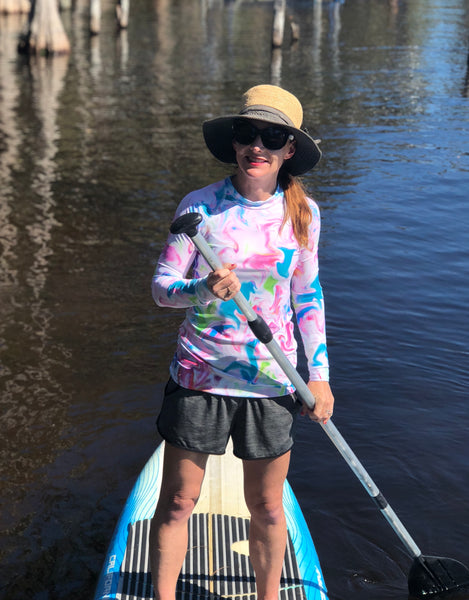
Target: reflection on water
x,y
466,80
96,150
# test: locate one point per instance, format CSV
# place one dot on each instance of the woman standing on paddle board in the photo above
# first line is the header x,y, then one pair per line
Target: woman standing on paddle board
x,y
224,383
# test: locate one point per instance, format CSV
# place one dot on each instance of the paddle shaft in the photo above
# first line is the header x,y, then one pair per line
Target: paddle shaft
x,y
188,224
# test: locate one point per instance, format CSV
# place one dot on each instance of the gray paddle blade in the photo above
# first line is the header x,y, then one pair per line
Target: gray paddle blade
x,y
432,576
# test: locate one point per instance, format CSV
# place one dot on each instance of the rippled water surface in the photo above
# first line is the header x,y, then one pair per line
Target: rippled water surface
x,y
97,149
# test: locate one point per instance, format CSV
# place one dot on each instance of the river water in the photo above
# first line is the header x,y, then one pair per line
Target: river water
x,y
97,149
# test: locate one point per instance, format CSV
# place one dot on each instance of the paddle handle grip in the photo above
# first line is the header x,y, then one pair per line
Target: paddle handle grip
x,y
188,224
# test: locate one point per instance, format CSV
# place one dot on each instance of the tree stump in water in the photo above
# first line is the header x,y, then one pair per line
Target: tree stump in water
x,y
295,30
122,13
278,26
45,33
95,16
14,7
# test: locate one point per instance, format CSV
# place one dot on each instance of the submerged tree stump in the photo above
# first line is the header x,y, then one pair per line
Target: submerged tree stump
x,y
295,30
45,33
95,16
14,7
122,13
278,26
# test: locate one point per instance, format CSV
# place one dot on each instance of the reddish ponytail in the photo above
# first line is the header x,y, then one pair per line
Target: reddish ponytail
x,y
297,209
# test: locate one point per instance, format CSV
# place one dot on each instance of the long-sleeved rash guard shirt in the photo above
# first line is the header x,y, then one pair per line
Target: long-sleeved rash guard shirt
x,y
216,350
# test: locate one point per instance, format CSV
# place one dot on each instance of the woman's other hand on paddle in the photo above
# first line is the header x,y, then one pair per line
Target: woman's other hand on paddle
x,y
224,283
324,406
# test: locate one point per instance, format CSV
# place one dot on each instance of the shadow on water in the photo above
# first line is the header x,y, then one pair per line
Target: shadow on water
x,y
97,149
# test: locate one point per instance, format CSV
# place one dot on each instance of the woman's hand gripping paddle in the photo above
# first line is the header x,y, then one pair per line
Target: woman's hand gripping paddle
x,y
429,575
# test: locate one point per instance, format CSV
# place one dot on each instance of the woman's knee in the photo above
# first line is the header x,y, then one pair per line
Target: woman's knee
x,y
176,506
268,511
183,474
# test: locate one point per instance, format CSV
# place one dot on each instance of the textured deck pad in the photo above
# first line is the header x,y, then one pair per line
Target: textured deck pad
x,y
225,572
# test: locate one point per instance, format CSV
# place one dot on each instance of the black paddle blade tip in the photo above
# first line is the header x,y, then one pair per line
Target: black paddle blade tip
x,y
437,577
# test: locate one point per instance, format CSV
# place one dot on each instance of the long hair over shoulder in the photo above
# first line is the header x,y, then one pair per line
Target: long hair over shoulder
x,y
297,209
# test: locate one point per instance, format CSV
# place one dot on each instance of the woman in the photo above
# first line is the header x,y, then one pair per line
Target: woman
x,y
223,380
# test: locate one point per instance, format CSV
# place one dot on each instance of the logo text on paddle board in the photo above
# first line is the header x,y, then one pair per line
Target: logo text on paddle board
x,y
108,578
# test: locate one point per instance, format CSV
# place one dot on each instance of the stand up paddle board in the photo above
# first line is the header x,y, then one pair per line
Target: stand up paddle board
x,y
217,562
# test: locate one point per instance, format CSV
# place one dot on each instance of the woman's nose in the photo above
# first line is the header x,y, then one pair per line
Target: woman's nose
x,y
257,141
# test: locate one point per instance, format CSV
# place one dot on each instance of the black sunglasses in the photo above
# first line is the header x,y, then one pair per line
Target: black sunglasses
x,y
273,137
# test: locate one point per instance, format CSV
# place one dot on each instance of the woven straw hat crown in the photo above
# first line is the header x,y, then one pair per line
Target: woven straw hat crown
x,y
262,97
270,104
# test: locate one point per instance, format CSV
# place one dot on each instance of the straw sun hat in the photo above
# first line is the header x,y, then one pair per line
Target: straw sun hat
x,y
271,104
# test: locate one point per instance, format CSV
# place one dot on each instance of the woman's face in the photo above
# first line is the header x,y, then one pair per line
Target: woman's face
x,y
257,161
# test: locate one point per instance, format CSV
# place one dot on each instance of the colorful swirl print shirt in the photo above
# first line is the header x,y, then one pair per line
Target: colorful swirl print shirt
x,y
216,350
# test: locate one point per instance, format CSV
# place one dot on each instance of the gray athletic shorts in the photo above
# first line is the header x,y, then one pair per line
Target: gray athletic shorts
x,y
203,422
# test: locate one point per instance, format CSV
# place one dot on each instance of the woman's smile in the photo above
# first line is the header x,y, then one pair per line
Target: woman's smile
x,y
256,160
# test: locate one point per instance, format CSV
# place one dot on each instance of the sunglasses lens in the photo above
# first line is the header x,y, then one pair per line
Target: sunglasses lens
x,y
273,138
243,132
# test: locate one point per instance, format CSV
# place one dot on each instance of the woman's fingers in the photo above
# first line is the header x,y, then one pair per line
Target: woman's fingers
x,y
224,283
324,402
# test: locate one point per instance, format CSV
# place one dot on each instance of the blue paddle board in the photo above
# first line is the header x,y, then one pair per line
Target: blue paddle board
x,y
217,561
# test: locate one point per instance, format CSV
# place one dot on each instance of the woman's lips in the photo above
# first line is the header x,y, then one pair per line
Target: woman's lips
x,y
256,160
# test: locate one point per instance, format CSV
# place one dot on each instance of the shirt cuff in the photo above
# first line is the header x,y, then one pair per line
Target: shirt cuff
x,y
319,374
202,292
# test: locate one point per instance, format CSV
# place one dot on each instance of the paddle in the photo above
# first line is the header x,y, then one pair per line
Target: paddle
x,y
429,575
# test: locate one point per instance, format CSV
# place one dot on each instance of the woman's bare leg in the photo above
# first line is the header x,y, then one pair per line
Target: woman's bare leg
x,y
263,489
183,473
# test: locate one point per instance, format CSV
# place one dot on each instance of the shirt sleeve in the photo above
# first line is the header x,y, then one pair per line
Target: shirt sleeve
x,y
308,302
170,285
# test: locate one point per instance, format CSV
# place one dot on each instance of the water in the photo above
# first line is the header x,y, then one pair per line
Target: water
x,y
96,150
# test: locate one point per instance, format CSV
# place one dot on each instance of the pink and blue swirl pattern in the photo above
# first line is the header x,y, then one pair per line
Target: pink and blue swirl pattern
x,y
216,350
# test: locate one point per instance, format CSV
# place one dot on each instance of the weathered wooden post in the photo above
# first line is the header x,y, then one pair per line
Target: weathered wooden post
x,y
278,26
122,13
95,17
